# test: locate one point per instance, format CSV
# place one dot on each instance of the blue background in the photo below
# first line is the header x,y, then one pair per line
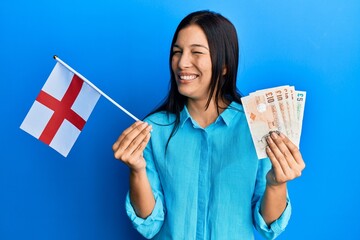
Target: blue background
x,y
122,47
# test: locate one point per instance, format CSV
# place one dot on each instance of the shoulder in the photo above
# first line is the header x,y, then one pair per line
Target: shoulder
x,y
162,126
160,118
232,113
236,106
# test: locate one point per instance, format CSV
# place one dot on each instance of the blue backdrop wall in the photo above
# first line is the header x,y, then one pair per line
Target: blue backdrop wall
x,y
122,47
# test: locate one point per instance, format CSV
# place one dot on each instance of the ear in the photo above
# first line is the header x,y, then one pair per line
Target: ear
x,y
224,70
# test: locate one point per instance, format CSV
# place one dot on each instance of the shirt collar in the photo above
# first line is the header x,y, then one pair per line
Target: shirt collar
x,y
184,116
226,116
229,113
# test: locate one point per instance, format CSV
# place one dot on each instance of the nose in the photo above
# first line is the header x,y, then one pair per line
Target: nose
x,y
184,60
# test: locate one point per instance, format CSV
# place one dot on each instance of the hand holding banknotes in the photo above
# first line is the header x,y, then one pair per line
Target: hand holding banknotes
x,y
275,109
275,119
286,159
287,164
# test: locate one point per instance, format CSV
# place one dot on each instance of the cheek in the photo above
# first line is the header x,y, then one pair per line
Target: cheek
x,y
174,63
207,67
205,62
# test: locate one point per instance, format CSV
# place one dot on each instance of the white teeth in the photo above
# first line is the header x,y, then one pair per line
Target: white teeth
x,y
187,77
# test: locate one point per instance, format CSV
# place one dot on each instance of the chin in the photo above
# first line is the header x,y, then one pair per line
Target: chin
x,y
185,92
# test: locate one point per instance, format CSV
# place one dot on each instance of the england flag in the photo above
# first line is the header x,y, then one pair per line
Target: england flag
x,y
61,109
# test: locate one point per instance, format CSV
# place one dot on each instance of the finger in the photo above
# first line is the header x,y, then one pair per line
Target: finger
x,y
284,144
294,151
279,152
286,158
130,134
125,132
141,147
120,149
277,169
138,140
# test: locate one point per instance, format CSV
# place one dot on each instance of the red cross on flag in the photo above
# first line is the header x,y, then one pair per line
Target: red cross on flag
x,y
61,109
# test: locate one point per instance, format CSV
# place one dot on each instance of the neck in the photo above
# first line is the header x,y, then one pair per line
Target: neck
x,y
202,115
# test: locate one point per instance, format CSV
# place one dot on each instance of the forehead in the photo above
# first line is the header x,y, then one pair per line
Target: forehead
x,y
191,35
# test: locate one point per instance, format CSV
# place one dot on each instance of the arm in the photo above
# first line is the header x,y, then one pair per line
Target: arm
x,y
287,164
141,195
129,149
273,203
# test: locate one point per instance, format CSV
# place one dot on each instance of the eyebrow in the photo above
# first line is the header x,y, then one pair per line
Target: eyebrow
x,y
193,45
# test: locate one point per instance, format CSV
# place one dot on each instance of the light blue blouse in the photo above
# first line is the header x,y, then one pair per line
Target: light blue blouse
x,y
208,184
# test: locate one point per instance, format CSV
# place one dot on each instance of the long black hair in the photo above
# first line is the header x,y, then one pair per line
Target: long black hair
x,y
224,52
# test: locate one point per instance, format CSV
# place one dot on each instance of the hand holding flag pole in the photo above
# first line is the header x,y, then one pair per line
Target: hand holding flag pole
x,y
62,108
96,88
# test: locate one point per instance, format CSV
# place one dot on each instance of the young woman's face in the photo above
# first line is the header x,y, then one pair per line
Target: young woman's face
x,y
191,63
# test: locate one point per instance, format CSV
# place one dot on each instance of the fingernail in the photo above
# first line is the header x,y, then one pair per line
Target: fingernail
x,y
282,135
268,139
274,135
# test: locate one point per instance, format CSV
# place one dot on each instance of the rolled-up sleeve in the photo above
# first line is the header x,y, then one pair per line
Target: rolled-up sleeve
x,y
151,225
279,225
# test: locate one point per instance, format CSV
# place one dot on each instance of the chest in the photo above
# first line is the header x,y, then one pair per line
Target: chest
x,y
220,159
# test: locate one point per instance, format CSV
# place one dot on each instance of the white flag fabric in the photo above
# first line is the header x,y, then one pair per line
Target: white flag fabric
x,y
61,110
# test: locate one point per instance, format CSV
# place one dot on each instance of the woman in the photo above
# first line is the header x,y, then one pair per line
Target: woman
x,y
198,176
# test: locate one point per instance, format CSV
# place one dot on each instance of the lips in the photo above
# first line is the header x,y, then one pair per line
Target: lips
x,y
184,77
188,77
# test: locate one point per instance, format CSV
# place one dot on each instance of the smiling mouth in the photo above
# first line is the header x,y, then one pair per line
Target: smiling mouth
x,y
187,77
